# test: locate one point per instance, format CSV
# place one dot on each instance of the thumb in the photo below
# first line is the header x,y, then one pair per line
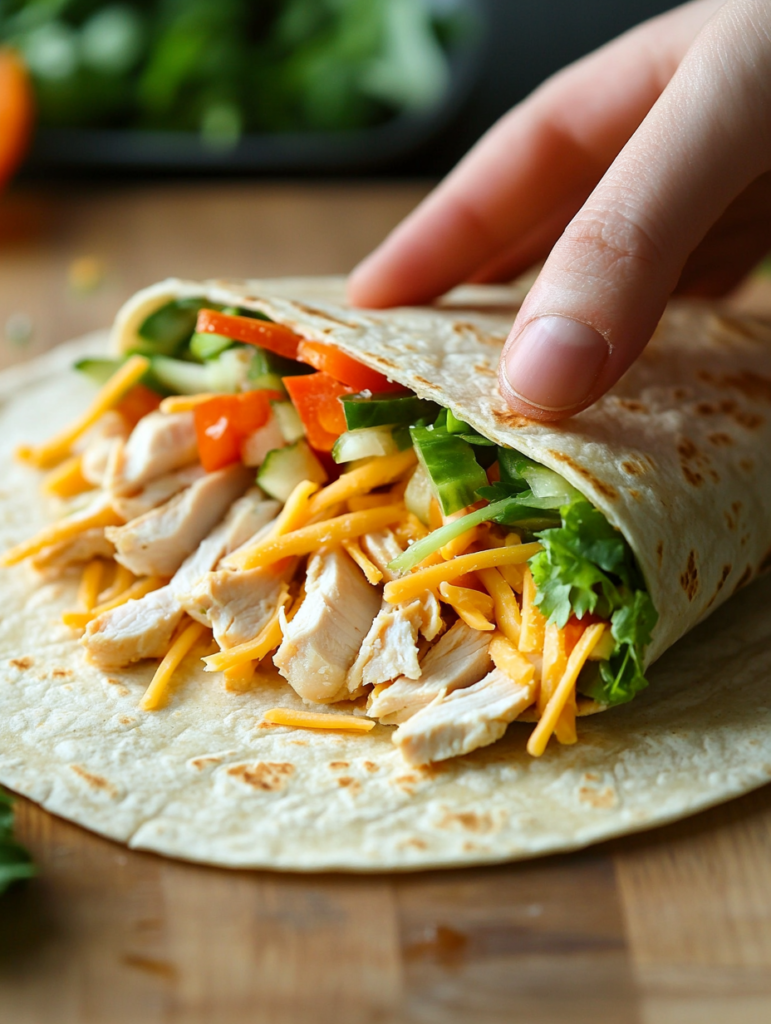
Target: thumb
x,y
604,287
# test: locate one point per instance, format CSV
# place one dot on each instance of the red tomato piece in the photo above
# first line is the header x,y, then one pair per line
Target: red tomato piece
x,y
274,337
316,398
344,368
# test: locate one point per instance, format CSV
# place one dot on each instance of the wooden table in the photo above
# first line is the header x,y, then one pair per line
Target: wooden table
x,y
672,926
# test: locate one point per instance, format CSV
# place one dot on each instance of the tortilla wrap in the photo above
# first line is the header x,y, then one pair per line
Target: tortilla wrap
x,y
677,457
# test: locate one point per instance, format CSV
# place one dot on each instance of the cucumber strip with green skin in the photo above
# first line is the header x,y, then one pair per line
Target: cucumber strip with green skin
x,y
450,462
166,331
289,421
264,362
208,346
100,371
363,443
368,410
284,468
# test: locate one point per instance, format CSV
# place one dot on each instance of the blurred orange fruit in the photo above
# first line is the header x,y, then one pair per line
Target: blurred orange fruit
x,y
16,113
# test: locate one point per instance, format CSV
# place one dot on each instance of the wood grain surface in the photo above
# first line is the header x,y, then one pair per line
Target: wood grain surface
x,y
670,927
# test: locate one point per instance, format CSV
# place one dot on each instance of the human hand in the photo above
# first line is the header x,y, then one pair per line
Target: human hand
x,y
641,170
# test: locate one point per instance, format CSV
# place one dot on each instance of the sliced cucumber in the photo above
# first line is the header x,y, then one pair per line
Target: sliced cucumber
x,y
368,410
289,420
180,377
363,443
545,483
208,346
419,493
229,372
99,370
166,330
284,468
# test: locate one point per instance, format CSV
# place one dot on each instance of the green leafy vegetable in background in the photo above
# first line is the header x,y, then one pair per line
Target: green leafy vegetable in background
x,y
15,862
225,67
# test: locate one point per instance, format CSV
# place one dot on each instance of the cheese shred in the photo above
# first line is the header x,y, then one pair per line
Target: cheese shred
x,y
253,650
48,454
157,692
67,479
566,686
380,471
507,613
100,514
474,607
317,720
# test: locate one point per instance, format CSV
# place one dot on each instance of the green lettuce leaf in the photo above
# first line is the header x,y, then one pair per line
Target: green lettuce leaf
x,y
15,862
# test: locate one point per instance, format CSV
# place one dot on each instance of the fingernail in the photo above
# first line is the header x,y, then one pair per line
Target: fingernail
x,y
555,362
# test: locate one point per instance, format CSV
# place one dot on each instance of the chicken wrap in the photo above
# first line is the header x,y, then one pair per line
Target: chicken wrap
x,y
299,565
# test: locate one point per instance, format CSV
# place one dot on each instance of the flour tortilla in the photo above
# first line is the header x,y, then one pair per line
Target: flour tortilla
x,y
205,780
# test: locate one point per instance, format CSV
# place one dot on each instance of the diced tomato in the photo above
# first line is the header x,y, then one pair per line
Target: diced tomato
x,y
223,422
316,397
343,368
574,629
274,337
138,403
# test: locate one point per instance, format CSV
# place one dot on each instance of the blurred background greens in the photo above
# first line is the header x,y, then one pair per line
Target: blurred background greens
x,y
401,86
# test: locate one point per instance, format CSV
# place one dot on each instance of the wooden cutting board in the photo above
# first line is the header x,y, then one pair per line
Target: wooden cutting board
x,y
670,926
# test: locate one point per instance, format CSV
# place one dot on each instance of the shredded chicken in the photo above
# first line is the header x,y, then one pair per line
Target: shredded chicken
x,y
143,628
390,648
157,492
81,548
158,542
382,547
457,660
235,604
321,643
464,720
100,444
159,444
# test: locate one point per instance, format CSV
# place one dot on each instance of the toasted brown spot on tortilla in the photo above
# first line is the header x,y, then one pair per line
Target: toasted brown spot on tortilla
x,y
122,690
469,821
736,326
95,781
266,775
765,562
600,798
424,382
680,394
162,968
721,439
608,490
462,327
705,409
633,468
62,673
337,765
347,782
632,405
419,844
508,418
126,720
744,579
635,494
22,663
406,782
748,420
371,766
689,580
720,583
484,369
312,311
201,762
747,465
660,551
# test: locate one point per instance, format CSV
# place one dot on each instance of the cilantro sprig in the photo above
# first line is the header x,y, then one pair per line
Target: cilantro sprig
x,y
587,566
15,862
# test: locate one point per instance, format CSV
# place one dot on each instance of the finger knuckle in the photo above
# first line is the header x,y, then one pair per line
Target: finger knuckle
x,y
612,241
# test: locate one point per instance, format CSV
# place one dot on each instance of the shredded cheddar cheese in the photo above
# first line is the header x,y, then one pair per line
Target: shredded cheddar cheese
x,y
376,473
361,502
90,581
122,580
295,512
474,607
508,659
507,613
79,620
184,403
67,479
59,447
460,544
157,692
253,650
533,623
239,678
99,513
367,566
311,538
551,713
317,720
418,582
555,659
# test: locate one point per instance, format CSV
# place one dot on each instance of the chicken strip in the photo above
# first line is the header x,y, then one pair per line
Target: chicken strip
x,y
236,604
143,628
382,547
100,443
83,547
160,443
157,492
321,642
464,720
457,660
390,648
158,542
